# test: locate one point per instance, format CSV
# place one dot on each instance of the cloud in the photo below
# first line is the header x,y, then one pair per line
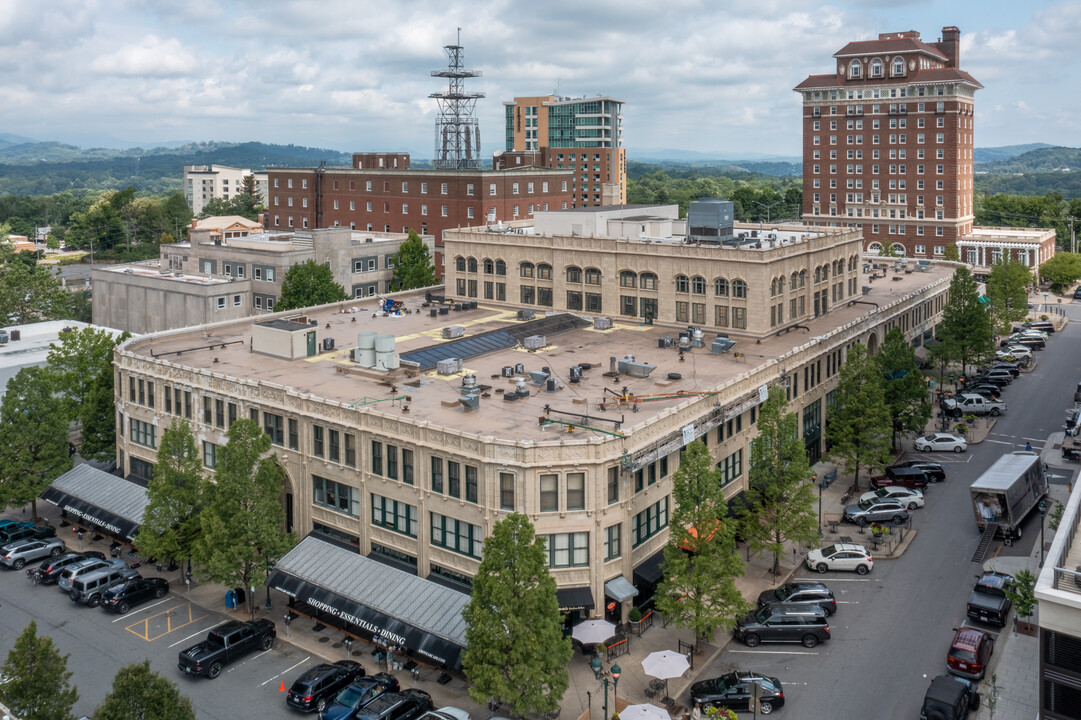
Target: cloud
x,y
152,57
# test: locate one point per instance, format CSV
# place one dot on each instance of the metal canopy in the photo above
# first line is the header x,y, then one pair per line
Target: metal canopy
x,y
110,504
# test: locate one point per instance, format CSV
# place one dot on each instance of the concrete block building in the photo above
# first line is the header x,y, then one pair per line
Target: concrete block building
x,y
203,183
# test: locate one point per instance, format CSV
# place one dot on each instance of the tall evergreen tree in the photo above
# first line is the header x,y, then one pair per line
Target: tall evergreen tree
x,y
242,521
33,439
515,649
781,498
309,283
413,265
965,330
139,693
175,494
701,561
36,683
904,386
859,426
1007,293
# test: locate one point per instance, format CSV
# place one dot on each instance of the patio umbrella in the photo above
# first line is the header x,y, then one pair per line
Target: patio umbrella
x,y
644,711
665,664
593,631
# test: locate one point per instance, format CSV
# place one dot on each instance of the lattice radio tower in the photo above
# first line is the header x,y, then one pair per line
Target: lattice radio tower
x,y
457,130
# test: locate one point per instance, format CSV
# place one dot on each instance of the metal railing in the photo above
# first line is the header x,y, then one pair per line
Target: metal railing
x,y
1061,572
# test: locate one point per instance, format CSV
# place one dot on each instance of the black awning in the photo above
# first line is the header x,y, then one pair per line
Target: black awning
x,y
580,598
363,621
649,572
98,518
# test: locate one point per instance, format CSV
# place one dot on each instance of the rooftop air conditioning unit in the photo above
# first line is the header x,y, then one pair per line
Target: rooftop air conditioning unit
x,y
535,342
453,331
602,323
526,314
328,344
449,366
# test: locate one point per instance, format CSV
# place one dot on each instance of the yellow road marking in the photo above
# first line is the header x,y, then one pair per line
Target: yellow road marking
x,y
164,623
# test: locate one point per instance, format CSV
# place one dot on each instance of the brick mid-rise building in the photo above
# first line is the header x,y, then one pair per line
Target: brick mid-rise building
x,y
888,143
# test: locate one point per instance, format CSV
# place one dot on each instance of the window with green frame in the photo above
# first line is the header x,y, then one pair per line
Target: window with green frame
x,y
649,522
394,515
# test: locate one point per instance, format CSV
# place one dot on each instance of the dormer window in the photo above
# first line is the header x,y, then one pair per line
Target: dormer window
x,y
898,66
854,69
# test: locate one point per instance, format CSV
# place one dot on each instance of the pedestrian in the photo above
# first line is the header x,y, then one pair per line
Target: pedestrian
x,y
1028,447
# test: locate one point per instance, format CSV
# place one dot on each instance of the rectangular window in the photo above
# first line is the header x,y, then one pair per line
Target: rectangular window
x,y
274,426
649,522
506,488
335,447
219,413
731,467
335,496
437,474
407,466
394,515
613,484
392,462
318,441
549,493
576,491
377,458
294,434
611,542
142,433
456,535
210,455
454,479
568,550
350,449
231,417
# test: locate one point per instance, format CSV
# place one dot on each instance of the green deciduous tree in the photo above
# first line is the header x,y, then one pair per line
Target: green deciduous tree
x,y
780,496
515,649
1062,270
309,283
965,330
904,386
33,439
36,683
29,291
859,421
242,521
175,495
139,693
77,362
701,561
1007,293
413,265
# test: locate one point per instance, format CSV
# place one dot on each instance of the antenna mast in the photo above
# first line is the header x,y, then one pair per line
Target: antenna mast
x,y
457,130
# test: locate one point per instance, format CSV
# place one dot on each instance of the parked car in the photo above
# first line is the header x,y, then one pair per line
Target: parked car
x,y
123,597
988,602
49,570
13,533
733,690
88,589
1011,367
318,686
404,705
1000,380
969,653
935,472
17,554
800,593
225,644
988,390
940,442
841,556
8,523
911,499
359,694
950,698
76,570
805,624
908,477
1016,351
876,510
1045,326
446,712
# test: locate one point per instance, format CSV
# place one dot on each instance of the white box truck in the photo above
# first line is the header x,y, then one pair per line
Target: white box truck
x,y
1007,492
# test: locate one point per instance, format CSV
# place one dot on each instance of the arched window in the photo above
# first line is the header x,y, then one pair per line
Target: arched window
x,y
899,249
574,274
593,276
648,281
739,289
683,284
544,271
489,266
803,278
471,264
898,66
773,287
628,279
459,263
698,285
526,269
793,282
825,273
500,267
876,68
720,287
874,247
780,285
818,275
854,69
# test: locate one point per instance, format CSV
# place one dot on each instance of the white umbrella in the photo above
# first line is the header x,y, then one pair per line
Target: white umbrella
x,y
665,664
593,631
644,711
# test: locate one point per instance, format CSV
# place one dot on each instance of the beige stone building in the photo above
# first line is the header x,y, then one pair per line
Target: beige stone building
x,y
407,436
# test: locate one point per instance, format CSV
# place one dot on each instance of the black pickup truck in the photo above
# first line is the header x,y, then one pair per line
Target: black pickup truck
x,y
988,602
225,644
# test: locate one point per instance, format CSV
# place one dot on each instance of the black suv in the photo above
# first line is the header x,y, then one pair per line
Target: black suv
x,y
987,390
733,690
800,593
404,705
784,623
950,698
935,472
359,694
321,684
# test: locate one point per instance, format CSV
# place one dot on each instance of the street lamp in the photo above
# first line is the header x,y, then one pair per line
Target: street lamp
x,y
819,483
1043,515
616,670
269,565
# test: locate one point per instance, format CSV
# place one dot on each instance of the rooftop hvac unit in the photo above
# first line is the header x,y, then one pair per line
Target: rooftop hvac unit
x,y
519,369
551,385
328,344
866,289
449,366
628,366
575,373
469,382
526,314
538,378
470,402
602,323
697,337
535,342
508,371
665,342
721,345
453,331
521,388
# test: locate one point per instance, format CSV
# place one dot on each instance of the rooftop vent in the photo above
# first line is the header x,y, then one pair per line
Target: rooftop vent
x,y
628,366
538,378
470,402
721,345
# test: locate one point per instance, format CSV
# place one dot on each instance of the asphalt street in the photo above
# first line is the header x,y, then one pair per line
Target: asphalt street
x,y
893,627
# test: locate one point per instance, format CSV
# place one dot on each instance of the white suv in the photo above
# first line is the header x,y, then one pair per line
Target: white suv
x,y
842,556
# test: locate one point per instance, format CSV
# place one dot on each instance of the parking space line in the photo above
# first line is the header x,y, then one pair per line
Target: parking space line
x,y
275,677
818,578
253,657
168,615
189,637
148,607
774,652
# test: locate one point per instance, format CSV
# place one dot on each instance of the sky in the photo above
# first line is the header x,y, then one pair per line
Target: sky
x,y
354,75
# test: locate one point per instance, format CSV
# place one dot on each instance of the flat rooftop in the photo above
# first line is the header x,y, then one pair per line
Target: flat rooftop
x,y
434,397
156,272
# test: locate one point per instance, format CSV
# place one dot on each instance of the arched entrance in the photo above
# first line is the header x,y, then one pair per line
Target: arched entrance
x,y
872,344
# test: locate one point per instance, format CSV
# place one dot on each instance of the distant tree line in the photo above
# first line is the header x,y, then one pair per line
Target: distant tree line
x,y
758,199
